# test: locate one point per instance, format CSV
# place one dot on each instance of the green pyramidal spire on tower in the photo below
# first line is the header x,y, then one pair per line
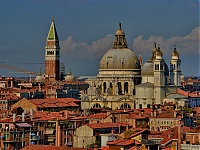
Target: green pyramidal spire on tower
x,y
52,32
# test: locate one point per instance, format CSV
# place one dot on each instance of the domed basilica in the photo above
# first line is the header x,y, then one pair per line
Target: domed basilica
x,y
124,82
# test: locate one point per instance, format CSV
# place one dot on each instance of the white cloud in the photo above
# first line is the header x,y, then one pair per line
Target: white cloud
x,y
96,49
186,44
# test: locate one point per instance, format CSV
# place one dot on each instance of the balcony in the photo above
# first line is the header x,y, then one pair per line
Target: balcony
x,y
9,138
190,147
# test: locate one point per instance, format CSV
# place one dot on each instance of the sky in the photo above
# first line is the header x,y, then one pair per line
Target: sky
x,y
86,30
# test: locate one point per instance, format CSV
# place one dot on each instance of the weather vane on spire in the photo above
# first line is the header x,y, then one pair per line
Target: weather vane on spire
x,y
53,18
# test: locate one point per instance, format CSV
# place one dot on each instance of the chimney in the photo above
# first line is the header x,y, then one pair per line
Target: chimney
x,y
23,117
14,117
151,113
174,114
154,113
31,114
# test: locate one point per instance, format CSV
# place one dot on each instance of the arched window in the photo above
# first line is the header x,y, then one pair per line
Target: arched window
x,y
104,87
126,87
97,105
156,66
119,87
125,106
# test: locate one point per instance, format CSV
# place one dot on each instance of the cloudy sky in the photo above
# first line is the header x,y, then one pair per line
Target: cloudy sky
x,y
86,30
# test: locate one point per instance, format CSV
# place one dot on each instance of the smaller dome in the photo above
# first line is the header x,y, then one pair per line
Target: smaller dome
x,y
120,31
158,52
69,77
175,53
147,69
40,78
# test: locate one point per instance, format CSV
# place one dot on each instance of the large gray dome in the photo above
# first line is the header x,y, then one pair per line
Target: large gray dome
x,y
119,59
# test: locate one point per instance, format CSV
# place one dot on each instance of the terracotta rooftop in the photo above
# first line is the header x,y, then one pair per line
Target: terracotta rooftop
x,y
45,116
51,147
121,142
107,125
172,133
55,102
97,116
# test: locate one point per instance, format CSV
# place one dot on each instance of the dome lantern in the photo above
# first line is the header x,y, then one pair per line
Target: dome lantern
x,y
120,40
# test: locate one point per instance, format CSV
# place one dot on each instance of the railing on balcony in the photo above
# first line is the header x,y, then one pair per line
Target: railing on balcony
x,y
9,138
190,147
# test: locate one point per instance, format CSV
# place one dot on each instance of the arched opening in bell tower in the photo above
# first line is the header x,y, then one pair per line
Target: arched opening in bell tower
x,y
119,85
126,87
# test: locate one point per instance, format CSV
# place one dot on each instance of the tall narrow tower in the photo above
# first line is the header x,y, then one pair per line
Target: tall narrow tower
x,y
159,76
175,69
52,54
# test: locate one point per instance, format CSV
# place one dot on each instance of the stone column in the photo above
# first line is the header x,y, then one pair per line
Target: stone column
x,y
122,86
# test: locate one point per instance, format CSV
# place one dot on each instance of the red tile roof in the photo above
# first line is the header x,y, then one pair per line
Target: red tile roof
x,y
172,133
51,147
107,125
97,116
168,113
121,142
46,116
135,116
55,102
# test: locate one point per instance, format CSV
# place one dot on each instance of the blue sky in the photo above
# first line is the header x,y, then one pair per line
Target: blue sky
x,y
86,29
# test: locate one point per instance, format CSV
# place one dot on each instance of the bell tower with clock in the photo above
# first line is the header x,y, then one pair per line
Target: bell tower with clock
x,y
159,76
52,54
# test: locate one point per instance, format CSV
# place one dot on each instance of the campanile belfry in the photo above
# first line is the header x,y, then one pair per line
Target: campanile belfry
x,y
52,54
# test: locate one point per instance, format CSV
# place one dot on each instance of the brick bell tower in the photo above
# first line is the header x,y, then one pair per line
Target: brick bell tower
x,y
52,54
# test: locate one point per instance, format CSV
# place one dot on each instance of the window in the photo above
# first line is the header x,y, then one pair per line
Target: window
x,y
138,123
143,121
125,106
119,88
126,87
148,105
97,105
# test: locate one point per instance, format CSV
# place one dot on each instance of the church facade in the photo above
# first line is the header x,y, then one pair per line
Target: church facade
x,y
124,82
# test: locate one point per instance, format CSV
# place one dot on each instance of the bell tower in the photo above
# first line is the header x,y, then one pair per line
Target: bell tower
x,y
175,69
159,76
52,54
